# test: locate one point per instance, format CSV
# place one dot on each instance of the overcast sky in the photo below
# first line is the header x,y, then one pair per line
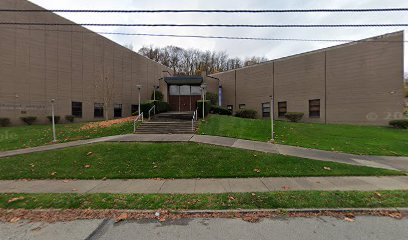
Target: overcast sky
x,y
237,48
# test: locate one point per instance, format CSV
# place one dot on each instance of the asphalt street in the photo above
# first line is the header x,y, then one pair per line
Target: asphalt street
x,y
227,229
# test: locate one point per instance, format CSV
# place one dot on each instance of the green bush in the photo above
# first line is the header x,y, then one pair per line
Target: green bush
x,y
207,107
162,107
220,111
56,119
399,123
159,96
212,97
246,113
4,122
294,116
28,120
70,118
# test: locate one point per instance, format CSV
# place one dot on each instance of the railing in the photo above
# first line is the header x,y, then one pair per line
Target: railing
x,y
151,109
139,117
195,118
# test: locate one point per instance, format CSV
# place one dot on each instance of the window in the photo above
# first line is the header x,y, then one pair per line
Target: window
x,y
134,108
314,108
266,109
230,107
241,106
282,109
117,111
76,109
98,110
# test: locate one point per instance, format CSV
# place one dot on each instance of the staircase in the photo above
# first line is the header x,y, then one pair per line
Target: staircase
x,y
168,123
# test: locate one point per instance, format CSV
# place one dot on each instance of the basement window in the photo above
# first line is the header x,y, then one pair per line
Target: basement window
x,y
282,109
134,109
76,109
241,106
98,110
230,107
314,108
117,111
266,109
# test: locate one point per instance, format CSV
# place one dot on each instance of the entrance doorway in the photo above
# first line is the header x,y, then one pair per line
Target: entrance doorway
x,y
183,98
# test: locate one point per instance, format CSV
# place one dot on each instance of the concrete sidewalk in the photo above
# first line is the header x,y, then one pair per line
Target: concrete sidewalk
x,y
226,185
393,163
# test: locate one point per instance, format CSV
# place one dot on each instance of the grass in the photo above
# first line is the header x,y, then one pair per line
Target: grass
x,y
12,138
168,160
365,140
271,200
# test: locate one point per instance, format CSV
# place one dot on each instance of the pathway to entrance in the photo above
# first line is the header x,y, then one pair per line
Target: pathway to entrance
x,y
227,185
393,163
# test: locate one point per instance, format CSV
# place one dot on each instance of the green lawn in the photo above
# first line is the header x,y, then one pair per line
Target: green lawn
x,y
368,140
36,135
168,160
270,200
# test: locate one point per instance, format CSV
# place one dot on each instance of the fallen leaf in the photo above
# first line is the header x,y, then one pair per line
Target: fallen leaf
x,y
396,215
14,219
74,189
231,198
349,219
257,170
15,199
121,217
89,154
327,168
255,155
285,187
377,194
87,166
66,181
53,173
162,219
253,194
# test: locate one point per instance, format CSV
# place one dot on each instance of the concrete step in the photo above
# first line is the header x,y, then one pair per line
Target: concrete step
x,y
166,127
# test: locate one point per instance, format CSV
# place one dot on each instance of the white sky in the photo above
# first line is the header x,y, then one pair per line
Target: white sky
x,y
237,48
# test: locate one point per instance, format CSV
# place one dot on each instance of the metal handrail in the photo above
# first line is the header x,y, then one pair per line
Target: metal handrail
x,y
195,118
150,111
139,117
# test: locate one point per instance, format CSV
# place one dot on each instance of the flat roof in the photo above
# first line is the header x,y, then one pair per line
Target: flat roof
x,y
184,80
371,39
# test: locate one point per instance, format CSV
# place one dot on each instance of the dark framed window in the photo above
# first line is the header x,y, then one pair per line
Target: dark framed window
x,y
230,107
282,109
241,106
98,110
266,109
117,111
314,108
76,109
134,108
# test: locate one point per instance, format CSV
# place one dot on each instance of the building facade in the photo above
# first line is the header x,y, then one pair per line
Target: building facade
x,y
87,74
92,77
353,83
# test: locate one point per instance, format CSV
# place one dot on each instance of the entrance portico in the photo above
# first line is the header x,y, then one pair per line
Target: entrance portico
x,y
184,92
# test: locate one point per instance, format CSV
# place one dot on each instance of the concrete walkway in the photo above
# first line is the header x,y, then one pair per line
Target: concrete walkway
x,y
393,163
207,185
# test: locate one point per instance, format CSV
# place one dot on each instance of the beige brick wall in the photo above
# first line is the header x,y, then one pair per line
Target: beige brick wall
x,y
357,83
65,63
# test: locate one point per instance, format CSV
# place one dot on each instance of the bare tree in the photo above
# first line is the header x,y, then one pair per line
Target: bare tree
x,y
105,89
194,61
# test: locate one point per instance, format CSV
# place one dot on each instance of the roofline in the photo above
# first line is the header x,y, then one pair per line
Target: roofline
x,y
92,32
401,32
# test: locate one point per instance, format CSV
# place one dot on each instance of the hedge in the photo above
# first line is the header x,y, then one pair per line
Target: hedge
x,y
246,113
28,120
56,119
207,107
4,122
220,110
70,118
294,116
399,123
